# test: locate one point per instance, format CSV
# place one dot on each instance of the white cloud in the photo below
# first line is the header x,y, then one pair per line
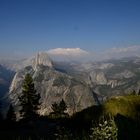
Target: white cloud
x,y
68,52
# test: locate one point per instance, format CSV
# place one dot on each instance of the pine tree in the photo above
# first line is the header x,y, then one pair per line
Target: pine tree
x,y
29,100
59,109
55,108
62,106
11,116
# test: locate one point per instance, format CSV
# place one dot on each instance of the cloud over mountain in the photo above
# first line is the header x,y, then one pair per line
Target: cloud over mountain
x,y
68,53
122,52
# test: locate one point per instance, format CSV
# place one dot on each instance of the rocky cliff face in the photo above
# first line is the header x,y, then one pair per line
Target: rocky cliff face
x,y
41,59
53,87
6,77
98,77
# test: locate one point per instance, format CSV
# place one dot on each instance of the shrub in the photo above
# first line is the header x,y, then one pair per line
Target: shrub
x,y
106,130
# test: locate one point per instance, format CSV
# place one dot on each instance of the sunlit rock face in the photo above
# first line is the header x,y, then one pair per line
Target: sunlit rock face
x,y
53,86
98,77
41,59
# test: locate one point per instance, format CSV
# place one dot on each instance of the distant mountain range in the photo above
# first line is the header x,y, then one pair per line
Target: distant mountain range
x,y
80,84
107,78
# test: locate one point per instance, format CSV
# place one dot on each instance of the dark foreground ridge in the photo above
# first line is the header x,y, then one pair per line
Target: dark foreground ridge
x,y
117,118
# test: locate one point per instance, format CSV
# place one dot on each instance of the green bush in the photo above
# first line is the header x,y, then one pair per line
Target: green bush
x,y
106,130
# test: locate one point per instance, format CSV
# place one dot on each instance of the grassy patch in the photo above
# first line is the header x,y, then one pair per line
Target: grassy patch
x,y
128,106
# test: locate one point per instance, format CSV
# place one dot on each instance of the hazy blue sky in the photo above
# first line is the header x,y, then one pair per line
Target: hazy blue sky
x,y
31,25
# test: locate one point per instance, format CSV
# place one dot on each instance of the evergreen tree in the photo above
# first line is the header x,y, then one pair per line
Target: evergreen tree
x,y
55,108
11,116
59,109
62,106
29,100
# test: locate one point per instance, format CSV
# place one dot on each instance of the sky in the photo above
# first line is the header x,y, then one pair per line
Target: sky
x,y
28,26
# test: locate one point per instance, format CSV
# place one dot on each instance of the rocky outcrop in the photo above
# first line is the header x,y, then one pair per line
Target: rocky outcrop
x,y
98,77
41,59
114,83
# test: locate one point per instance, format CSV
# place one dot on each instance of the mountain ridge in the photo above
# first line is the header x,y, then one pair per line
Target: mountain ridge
x,y
101,79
